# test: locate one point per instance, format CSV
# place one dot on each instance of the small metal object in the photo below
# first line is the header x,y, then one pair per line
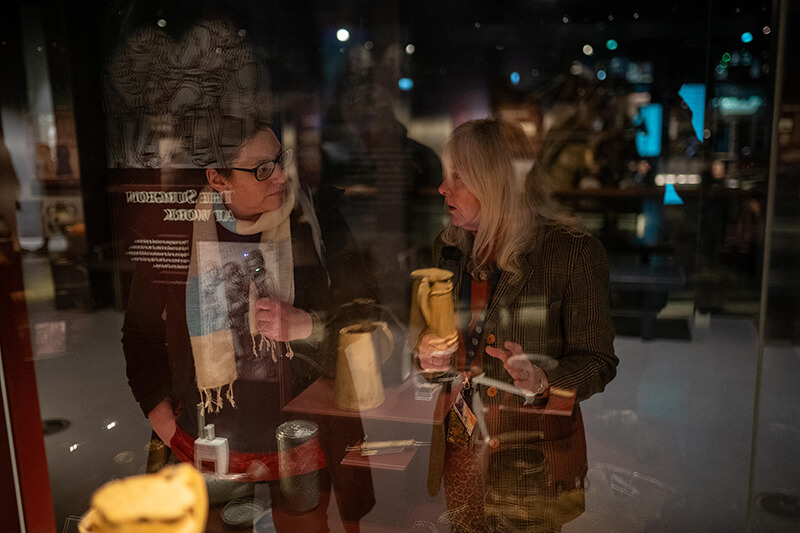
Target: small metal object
x,y
385,446
299,493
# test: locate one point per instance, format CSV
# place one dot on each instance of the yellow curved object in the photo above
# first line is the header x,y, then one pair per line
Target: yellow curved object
x,y
173,500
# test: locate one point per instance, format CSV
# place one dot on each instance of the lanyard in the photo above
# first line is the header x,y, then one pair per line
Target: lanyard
x,y
473,339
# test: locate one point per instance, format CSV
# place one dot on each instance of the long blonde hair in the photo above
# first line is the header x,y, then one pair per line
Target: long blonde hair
x,y
495,162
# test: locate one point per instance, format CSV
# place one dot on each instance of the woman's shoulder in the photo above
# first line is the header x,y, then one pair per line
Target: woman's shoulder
x,y
567,242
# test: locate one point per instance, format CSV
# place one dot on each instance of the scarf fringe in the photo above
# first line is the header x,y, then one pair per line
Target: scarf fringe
x,y
214,404
269,345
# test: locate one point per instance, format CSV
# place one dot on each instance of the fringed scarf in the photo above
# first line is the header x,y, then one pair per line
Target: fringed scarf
x,y
222,289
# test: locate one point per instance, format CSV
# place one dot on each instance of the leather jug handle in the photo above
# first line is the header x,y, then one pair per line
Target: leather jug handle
x,y
386,354
423,296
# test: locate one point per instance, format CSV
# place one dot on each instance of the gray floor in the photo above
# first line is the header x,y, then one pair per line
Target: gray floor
x,y
669,440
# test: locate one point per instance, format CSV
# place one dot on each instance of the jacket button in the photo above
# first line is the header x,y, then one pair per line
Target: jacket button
x,y
492,392
490,338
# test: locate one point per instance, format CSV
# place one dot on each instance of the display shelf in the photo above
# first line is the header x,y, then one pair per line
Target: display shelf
x,y
399,405
390,461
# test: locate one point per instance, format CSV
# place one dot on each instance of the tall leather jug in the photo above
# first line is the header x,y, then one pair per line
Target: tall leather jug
x,y
362,349
432,306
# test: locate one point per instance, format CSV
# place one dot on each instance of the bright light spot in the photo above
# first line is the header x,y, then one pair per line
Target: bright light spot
x,y
368,45
576,68
565,19
641,223
601,75
342,34
410,49
706,133
514,77
659,180
111,425
611,44
161,23
610,18
636,16
588,50
405,84
680,179
747,37
726,57
73,447
766,30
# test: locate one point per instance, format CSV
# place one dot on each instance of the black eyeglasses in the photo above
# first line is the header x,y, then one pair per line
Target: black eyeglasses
x,y
263,171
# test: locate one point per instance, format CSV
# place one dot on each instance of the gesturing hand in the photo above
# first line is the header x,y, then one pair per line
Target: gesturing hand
x,y
525,374
282,321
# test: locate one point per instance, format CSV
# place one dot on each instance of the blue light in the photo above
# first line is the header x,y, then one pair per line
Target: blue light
x,y
671,196
601,75
405,84
611,44
514,77
747,37
648,138
694,94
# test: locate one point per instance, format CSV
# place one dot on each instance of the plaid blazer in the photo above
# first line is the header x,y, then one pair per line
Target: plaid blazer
x,y
558,308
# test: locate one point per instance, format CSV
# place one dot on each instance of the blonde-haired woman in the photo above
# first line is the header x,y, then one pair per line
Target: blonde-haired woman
x,y
532,294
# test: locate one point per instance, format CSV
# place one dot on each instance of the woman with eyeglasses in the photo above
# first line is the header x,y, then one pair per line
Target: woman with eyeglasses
x,y
245,333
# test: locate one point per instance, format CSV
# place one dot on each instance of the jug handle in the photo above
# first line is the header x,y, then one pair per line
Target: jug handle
x,y
423,296
389,338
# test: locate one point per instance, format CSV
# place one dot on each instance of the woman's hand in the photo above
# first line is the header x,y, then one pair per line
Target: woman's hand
x,y
435,353
282,321
162,420
525,374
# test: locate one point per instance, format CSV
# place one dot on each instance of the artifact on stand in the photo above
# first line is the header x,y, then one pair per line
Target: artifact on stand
x,y
299,493
385,446
211,454
432,312
359,384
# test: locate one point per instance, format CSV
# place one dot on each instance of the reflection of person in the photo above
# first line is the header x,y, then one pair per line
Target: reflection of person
x,y
9,195
392,177
533,293
174,362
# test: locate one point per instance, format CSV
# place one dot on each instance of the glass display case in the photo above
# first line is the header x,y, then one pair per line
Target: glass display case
x,y
210,217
